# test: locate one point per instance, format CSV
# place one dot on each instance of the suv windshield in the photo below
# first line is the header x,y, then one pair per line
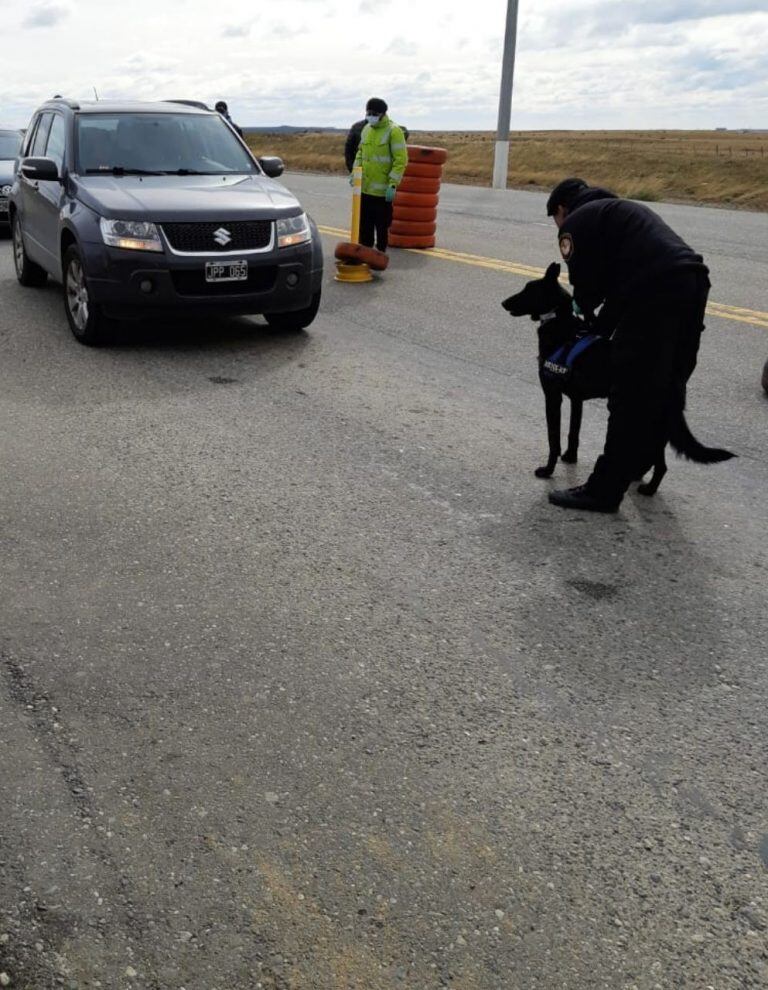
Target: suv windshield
x,y
159,143
10,144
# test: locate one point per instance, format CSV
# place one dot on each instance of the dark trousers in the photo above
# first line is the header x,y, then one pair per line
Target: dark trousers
x,y
375,218
653,354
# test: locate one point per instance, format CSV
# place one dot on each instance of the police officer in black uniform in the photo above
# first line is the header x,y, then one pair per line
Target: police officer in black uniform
x,y
352,143
638,282
222,109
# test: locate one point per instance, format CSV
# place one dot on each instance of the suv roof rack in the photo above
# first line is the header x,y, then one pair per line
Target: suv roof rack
x,y
189,103
72,104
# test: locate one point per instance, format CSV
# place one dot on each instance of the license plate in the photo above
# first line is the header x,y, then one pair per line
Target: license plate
x,y
228,271
3,205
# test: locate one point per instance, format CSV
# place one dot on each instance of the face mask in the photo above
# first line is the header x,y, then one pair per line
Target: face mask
x,y
373,118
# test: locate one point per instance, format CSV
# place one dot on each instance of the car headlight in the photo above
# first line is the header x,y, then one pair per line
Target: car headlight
x,y
5,190
293,230
133,235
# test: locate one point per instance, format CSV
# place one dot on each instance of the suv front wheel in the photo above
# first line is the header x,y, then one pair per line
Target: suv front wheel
x,y
27,272
86,320
297,320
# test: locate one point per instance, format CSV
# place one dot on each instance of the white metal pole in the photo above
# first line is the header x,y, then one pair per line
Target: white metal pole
x,y
501,155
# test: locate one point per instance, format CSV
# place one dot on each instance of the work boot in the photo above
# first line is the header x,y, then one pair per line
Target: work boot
x,y
581,498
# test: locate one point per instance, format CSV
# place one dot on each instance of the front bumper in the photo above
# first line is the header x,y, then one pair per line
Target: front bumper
x,y
135,283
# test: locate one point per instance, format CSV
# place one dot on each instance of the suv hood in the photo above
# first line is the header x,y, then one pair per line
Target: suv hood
x,y
164,198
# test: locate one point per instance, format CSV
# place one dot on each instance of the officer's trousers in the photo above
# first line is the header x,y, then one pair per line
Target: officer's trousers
x,y
653,354
375,217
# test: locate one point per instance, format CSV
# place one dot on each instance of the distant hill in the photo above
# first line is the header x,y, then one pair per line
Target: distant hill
x,y
290,129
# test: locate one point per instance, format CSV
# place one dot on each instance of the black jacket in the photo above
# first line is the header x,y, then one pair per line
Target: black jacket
x,y
352,143
617,252
232,124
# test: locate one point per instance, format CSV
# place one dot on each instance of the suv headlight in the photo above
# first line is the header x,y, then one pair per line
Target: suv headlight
x,y
293,230
133,235
5,190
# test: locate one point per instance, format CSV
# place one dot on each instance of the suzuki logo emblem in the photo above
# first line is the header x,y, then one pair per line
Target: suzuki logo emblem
x,y
222,236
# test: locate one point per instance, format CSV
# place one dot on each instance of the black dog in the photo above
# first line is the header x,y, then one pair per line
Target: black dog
x,y
587,377
575,363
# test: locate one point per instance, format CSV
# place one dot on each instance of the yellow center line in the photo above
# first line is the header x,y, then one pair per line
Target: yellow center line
x,y
753,317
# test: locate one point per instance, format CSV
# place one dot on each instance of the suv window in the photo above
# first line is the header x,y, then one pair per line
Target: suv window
x,y
56,139
29,137
41,136
168,143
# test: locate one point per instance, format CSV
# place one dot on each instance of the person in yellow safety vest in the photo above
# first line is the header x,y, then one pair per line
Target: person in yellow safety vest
x,y
383,156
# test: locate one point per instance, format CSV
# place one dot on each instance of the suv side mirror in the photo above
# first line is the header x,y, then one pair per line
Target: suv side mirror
x,y
272,166
40,169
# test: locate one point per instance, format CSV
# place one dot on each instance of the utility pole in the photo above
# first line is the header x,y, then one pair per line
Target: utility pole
x,y
501,155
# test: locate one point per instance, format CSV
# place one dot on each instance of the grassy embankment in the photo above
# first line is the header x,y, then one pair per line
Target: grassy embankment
x,y
716,168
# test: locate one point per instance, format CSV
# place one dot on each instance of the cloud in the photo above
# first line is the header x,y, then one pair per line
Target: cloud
x,y
672,11
600,63
592,23
44,15
237,30
285,32
621,16
399,46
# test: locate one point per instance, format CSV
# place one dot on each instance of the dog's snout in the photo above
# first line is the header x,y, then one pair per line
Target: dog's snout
x,y
509,305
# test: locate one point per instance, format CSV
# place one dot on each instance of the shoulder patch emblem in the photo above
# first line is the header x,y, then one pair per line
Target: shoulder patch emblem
x,y
566,246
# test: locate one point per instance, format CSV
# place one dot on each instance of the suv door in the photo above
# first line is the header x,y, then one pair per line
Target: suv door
x,y
50,197
29,190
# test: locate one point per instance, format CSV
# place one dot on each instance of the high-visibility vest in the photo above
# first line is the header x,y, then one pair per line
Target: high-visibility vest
x,y
383,155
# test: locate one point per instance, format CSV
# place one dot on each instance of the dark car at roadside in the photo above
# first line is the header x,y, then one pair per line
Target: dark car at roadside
x,y
146,208
10,146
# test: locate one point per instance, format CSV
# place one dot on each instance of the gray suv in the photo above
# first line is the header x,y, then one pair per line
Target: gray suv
x,y
156,207
10,146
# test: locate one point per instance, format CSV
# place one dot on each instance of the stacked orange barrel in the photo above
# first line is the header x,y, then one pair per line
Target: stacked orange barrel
x,y
414,215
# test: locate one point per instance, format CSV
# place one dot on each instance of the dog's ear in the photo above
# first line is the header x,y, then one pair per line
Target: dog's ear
x,y
552,273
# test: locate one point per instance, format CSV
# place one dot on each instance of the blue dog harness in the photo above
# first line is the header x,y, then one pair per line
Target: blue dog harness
x,y
559,366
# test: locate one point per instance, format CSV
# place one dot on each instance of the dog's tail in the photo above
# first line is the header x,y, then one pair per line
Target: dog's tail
x,y
686,444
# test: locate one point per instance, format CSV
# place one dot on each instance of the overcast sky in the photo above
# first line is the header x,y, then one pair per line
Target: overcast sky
x,y
581,64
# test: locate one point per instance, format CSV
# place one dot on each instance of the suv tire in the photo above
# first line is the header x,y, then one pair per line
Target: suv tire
x,y
86,319
296,320
27,272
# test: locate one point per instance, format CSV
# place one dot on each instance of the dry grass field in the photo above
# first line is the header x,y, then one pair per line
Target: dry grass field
x,y
712,167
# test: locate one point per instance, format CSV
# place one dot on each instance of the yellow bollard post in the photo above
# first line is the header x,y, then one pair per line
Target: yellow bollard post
x,y
346,272
357,199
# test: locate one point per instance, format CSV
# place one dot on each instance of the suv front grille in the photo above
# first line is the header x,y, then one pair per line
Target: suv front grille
x,y
200,238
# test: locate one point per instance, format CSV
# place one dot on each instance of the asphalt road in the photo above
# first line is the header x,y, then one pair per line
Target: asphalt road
x,y
305,686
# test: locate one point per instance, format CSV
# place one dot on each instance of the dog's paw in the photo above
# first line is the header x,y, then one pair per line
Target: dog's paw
x,y
570,457
544,472
647,489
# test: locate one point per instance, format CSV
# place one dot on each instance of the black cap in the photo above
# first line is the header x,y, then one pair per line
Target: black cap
x,y
375,105
564,194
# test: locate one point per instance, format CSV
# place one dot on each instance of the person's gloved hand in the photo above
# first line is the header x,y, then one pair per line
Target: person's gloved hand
x,y
389,195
